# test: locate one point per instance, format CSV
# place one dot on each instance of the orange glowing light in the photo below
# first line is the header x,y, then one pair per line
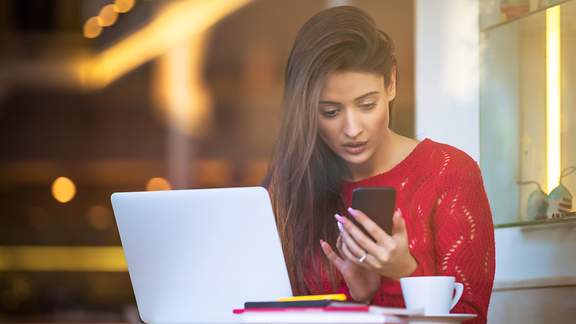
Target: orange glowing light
x,y
181,92
63,189
107,16
176,23
123,6
91,28
157,184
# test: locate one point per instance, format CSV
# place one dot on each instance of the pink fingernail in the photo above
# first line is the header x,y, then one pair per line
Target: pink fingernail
x,y
340,227
352,211
340,219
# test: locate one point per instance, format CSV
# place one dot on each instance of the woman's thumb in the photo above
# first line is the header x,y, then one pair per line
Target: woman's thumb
x,y
399,226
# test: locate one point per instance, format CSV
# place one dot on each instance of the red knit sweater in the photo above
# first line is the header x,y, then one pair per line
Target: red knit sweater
x,y
450,232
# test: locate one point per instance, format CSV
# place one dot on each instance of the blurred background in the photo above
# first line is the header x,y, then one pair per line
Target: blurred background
x,y
100,96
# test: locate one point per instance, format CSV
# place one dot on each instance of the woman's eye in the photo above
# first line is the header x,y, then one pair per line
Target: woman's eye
x,y
368,106
330,113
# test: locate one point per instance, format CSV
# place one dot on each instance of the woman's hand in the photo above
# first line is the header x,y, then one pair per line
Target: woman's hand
x,y
389,256
363,283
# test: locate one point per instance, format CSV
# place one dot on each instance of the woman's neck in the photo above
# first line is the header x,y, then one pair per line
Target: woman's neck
x,y
392,150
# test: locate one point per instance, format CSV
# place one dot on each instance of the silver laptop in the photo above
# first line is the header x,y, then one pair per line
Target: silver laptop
x,y
195,255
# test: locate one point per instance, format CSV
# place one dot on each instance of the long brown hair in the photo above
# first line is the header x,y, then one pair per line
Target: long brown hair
x,y
305,175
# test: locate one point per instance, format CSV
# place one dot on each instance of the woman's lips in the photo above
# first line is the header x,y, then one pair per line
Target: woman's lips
x,y
355,148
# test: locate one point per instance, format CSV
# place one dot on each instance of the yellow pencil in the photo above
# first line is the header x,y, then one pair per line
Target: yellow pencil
x,y
339,297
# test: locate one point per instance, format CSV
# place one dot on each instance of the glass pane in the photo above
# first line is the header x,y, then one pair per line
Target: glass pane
x,y
568,79
496,12
514,112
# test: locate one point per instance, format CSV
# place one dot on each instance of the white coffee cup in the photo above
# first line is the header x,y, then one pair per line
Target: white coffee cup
x,y
436,295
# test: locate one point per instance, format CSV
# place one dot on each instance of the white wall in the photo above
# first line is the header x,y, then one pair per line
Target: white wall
x,y
447,52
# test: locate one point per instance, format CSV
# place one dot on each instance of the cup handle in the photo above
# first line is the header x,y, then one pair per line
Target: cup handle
x,y
459,290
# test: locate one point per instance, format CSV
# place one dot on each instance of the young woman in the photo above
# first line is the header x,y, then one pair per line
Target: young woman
x,y
341,80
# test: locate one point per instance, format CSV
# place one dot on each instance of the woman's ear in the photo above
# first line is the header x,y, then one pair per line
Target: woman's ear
x,y
391,88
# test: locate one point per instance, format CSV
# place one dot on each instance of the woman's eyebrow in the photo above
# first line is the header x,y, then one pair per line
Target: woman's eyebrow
x,y
366,95
328,102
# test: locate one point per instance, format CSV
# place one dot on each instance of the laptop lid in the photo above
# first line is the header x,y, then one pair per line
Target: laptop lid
x,y
194,255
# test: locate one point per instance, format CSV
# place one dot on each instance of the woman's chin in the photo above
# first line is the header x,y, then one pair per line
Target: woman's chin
x,y
355,159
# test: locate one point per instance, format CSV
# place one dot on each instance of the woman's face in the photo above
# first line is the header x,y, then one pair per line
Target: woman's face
x,y
353,114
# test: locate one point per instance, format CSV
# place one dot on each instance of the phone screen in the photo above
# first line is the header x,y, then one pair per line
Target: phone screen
x,y
378,203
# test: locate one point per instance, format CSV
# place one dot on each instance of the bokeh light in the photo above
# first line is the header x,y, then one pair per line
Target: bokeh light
x,y
63,189
91,28
123,6
107,16
157,184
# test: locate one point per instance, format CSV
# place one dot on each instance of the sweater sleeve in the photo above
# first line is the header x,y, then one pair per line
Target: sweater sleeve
x,y
464,235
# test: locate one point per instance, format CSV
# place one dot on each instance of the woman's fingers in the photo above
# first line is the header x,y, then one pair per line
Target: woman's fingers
x,y
352,246
399,225
384,256
363,241
353,252
371,227
346,254
349,255
339,244
331,255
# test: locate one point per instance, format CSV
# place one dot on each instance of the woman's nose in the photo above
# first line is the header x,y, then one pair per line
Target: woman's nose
x,y
352,125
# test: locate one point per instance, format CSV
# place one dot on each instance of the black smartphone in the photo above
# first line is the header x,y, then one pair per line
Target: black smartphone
x,y
378,203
